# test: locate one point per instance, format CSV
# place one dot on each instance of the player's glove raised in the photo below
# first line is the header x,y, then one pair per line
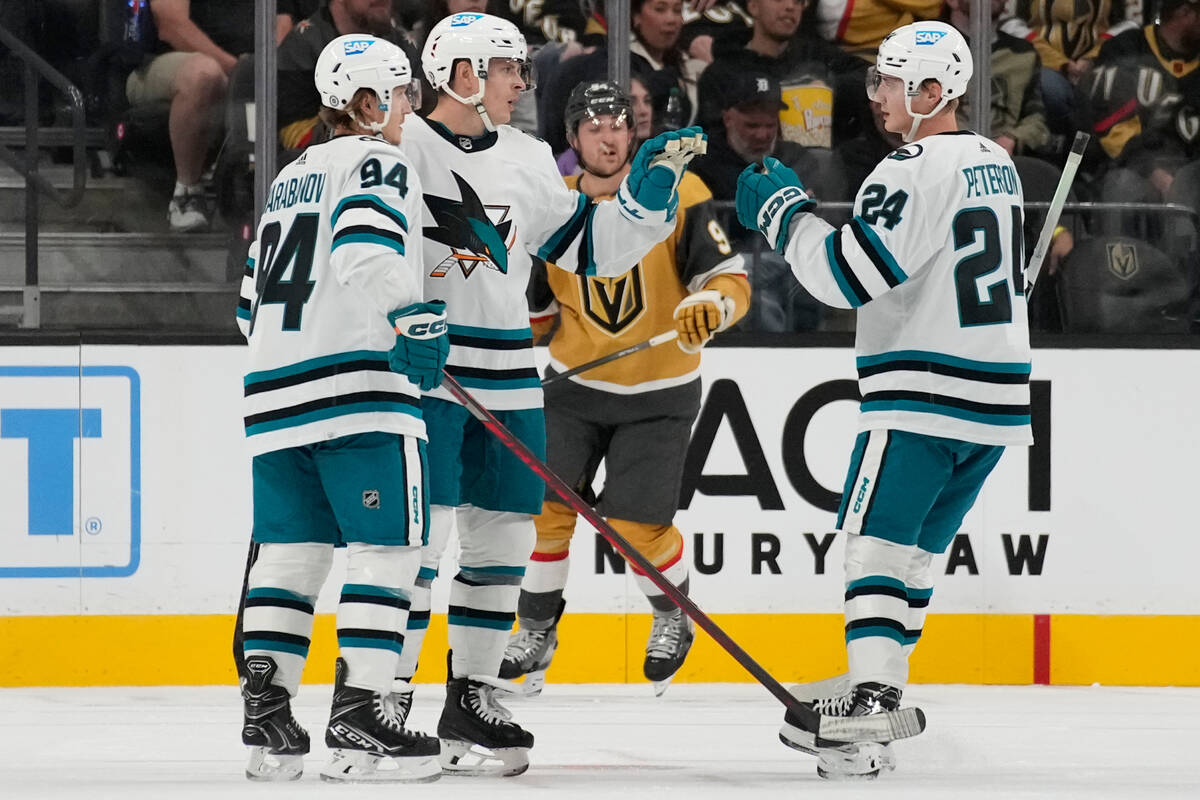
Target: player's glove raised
x,y
422,344
768,198
699,315
659,165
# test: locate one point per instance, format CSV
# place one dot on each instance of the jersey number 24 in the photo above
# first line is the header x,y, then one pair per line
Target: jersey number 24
x,y
997,308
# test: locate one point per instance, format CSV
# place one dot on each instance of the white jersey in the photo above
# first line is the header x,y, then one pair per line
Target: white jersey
x,y
933,260
490,202
332,257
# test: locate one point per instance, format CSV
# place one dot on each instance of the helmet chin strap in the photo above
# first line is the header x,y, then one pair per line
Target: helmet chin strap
x,y
917,119
477,101
375,127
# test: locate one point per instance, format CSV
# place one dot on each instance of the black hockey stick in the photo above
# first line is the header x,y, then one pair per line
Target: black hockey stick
x,y
239,655
653,341
883,727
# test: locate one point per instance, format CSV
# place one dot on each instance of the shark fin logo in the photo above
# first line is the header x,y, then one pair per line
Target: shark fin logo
x,y
476,234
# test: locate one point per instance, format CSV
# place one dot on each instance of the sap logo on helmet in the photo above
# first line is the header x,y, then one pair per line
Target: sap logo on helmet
x,y
929,37
462,20
356,46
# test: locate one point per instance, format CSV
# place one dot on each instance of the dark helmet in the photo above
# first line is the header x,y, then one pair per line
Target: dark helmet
x,y
594,99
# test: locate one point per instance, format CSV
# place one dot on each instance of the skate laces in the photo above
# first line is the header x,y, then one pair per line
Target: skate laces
x,y
482,697
665,635
525,644
388,712
838,705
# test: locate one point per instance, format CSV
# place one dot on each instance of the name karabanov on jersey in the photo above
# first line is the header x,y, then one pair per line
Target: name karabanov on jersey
x,y
306,189
991,179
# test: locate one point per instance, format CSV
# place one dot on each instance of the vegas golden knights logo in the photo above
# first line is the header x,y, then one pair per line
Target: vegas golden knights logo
x,y
1122,260
614,303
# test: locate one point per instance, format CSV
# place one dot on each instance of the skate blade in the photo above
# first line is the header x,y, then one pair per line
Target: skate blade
x,y
798,739
356,766
474,760
267,766
531,687
660,687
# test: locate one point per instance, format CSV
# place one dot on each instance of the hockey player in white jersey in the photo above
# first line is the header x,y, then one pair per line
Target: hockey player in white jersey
x,y
341,341
932,259
493,196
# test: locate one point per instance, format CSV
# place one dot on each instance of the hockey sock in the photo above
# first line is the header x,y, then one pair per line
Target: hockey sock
x,y
663,546
919,585
441,520
542,590
281,592
373,612
483,596
877,610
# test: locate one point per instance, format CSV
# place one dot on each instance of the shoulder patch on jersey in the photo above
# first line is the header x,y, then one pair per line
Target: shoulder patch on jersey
x,y
906,152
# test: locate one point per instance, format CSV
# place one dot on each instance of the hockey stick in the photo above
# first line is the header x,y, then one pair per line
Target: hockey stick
x,y
239,656
1052,214
653,341
884,727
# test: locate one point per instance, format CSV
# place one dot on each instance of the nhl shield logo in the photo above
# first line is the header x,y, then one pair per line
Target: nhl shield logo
x,y
371,498
1122,260
614,303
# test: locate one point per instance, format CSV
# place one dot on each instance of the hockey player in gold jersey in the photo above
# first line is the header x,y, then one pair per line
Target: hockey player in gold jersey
x,y
634,413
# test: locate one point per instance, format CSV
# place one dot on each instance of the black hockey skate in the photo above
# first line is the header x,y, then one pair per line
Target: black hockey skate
x,y
671,637
529,653
277,742
478,734
369,741
859,761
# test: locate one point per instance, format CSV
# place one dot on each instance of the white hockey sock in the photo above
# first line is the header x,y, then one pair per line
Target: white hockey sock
x,y
676,573
919,584
877,610
282,590
542,590
441,520
483,597
373,612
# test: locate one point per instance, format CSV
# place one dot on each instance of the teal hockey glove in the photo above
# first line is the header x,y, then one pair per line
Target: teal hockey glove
x,y
659,165
768,198
422,343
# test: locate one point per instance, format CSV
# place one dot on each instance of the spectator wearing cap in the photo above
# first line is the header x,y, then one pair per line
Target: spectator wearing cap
x,y
748,129
821,86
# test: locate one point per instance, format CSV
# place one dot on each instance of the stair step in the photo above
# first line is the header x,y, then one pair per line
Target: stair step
x,y
118,258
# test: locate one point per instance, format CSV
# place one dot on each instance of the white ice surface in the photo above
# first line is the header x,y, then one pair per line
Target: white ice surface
x,y
698,741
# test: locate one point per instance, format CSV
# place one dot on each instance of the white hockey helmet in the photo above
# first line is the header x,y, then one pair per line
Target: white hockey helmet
x,y
923,51
361,61
478,38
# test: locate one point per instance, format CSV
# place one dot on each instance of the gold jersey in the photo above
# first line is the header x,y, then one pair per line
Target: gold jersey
x,y
602,315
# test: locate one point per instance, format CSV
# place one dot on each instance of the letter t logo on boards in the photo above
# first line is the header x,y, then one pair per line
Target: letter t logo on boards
x,y
70,457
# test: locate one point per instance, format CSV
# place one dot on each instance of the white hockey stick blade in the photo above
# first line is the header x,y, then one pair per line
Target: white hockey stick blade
x,y
886,727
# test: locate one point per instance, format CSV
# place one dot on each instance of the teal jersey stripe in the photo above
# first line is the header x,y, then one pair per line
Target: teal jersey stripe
x,y
471,622
270,592
554,246
875,630
490,333
428,573
945,411
278,647
518,571
415,624
1008,367
243,313
329,413
368,238
909,640
374,591
880,249
376,202
499,383
314,363
919,594
876,580
835,269
369,644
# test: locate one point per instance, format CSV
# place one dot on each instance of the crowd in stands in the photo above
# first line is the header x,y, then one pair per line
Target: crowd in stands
x,y
763,77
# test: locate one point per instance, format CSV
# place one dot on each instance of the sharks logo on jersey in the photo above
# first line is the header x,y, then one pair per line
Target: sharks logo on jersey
x,y
476,234
614,303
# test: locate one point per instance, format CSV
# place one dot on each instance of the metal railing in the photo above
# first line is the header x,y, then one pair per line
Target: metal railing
x,y
35,67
